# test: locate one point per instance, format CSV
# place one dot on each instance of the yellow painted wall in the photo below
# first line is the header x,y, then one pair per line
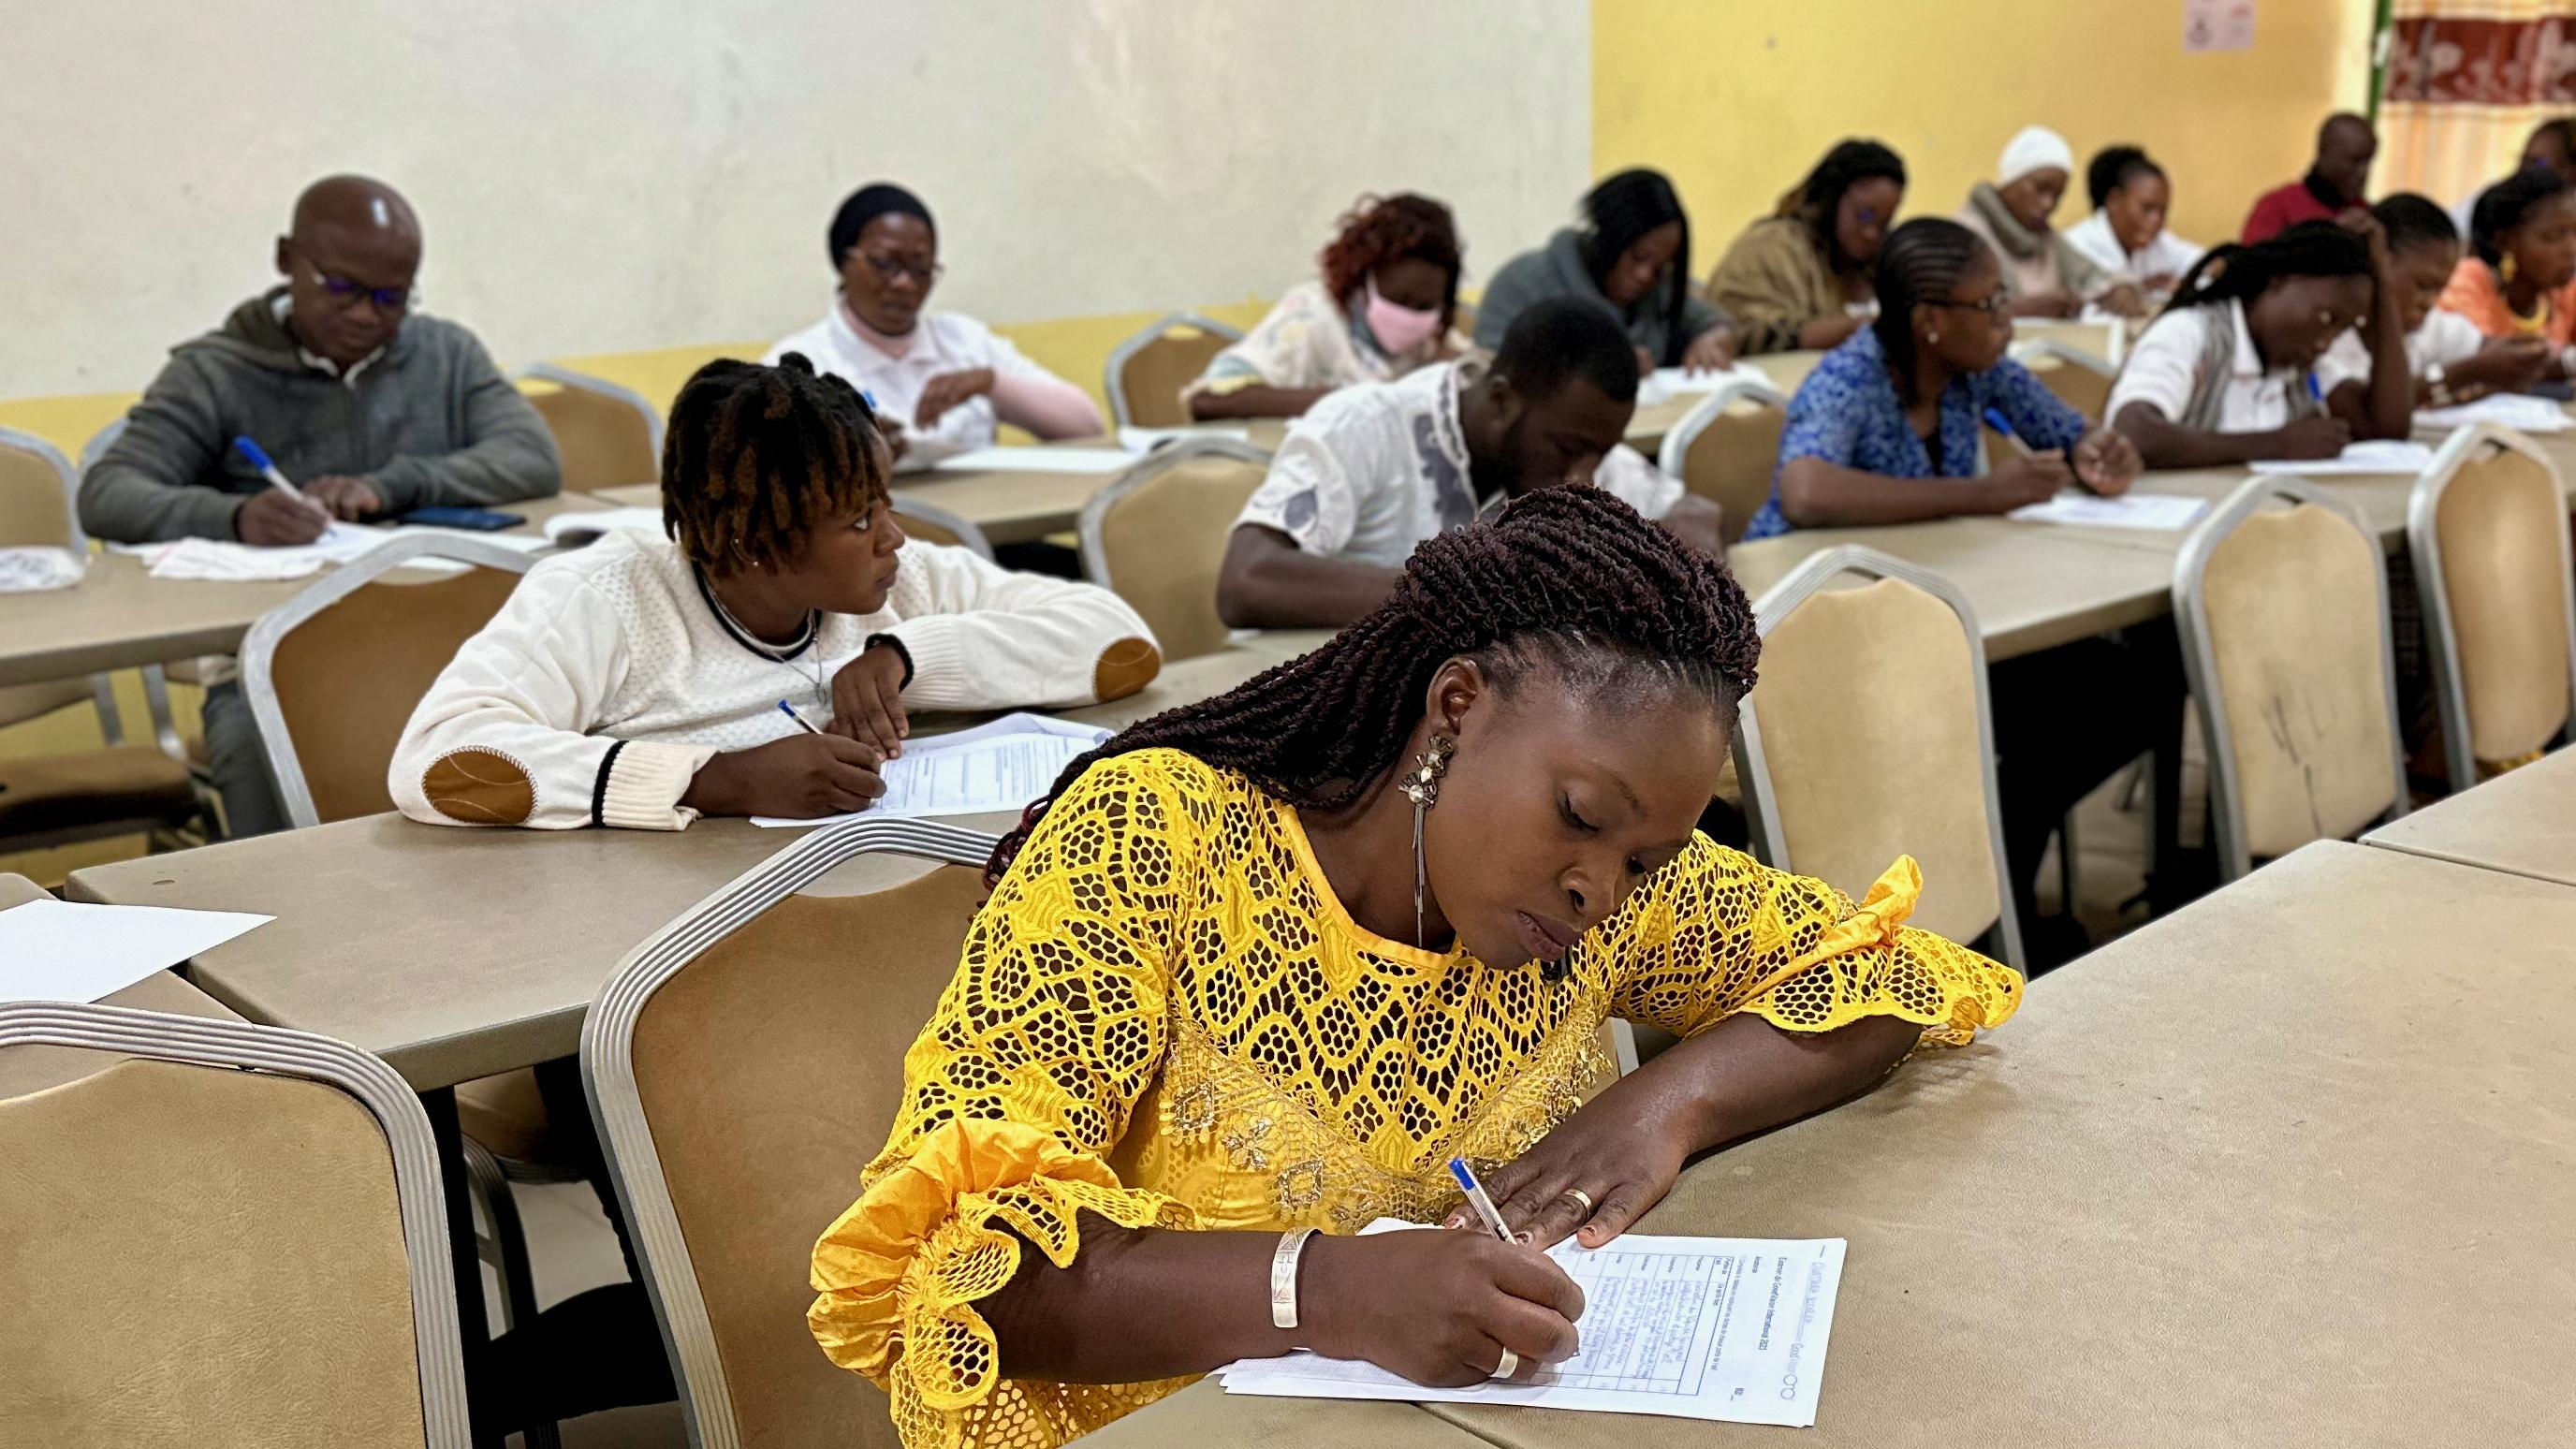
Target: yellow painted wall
x,y
1735,99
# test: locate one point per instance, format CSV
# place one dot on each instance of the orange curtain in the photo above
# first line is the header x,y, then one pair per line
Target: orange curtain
x,y
2467,80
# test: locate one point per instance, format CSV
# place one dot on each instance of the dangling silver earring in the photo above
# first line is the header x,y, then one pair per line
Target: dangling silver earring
x,y
1422,787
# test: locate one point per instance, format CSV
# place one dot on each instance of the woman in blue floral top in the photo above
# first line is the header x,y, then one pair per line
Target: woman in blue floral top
x,y
1887,429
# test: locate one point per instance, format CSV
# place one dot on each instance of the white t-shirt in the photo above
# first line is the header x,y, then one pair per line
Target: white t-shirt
x,y
2164,364
2445,337
1373,470
941,343
2101,246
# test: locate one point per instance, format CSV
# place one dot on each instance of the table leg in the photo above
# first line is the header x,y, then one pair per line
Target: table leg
x,y
476,1328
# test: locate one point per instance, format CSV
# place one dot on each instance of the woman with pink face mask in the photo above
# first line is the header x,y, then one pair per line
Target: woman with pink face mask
x,y
1383,307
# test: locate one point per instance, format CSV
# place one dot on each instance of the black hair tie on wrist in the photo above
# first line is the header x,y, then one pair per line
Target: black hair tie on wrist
x,y
895,644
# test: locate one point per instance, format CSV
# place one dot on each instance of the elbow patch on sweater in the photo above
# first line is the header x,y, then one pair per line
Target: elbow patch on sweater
x,y
479,787
1126,666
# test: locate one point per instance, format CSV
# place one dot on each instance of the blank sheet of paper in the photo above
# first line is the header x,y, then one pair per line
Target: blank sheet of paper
x,y
69,951
1730,1329
2519,411
2356,458
2158,511
998,766
1039,460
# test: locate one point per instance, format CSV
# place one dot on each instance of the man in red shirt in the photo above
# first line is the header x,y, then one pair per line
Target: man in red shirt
x,y
2334,186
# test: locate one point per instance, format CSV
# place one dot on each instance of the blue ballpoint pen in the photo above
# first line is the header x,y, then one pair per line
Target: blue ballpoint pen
x,y
1477,1198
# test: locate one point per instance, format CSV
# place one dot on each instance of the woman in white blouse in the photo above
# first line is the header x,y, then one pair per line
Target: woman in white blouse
x,y
2126,233
943,379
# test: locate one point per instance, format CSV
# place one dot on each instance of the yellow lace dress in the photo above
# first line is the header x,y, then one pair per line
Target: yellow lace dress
x,y
1165,1016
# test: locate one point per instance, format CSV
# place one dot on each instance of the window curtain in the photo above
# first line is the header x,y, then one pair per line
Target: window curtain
x,y
2467,80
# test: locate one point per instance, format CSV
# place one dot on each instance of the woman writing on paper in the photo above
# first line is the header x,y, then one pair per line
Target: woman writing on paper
x,y
2451,361
2126,236
1632,257
1385,306
638,682
1806,277
2044,275
1265,964
939,379
2521,279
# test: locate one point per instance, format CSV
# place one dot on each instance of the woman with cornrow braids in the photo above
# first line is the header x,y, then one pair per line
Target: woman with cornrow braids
x,y
1265,964
640,681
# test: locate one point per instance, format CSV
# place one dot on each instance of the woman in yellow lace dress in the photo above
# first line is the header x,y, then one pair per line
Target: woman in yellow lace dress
x,y
1267,963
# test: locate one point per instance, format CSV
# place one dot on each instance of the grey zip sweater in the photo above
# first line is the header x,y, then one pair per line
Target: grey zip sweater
x,y
430,421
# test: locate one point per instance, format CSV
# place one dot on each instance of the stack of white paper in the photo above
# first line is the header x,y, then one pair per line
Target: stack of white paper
x,y
998,766
1038,460
2159,511
65,951
2356,459
2518,411
221,560
35,569
1731,1329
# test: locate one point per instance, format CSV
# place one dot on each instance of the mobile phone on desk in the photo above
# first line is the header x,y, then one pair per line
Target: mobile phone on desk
x,y
481,520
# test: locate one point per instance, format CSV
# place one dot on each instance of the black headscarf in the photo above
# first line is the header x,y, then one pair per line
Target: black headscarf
x,y
865,205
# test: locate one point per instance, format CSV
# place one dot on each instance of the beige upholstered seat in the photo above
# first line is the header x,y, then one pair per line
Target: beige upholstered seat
x,y
933,524
2083,385
608,435
1157,537
743,1083
2284,615
1868,738
203,1255
2488,531
1147,371
1727,449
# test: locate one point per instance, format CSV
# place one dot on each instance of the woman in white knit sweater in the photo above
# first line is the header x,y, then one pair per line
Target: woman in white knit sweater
x,y
638,681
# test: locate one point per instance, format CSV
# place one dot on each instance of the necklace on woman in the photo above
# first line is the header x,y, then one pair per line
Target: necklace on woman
x,y
777,653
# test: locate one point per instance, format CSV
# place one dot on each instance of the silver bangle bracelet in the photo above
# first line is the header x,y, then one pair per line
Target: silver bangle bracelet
x,y
1283,1277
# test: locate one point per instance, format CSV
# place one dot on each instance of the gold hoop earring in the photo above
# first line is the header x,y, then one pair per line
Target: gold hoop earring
x,y
1422,787
2506,269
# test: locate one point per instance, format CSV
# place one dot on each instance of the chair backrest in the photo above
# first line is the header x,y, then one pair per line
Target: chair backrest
x,y
609,435
743,1066
2283,615
2082,380
1156,536
100,441
1147,371
1869,737
2488,530
38,495
1727,448
233,1237
334,673
933,524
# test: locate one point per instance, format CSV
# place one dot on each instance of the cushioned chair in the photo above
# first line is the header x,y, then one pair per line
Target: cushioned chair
x,y
157,677
2487,528
933,524
742,1065
2081,379
2283,615
1870,737
1147,371
1156,536
232,1236
609,435
76,795
1726,449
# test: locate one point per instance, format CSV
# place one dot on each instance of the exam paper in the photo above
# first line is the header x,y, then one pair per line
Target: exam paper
x,y
67,951
36,569
1002,765
1039,460
2356,458
220,560
1730,1329
2131,510
2518,411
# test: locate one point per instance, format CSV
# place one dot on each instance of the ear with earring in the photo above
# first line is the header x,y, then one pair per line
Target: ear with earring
x,y
2505,269
1422,787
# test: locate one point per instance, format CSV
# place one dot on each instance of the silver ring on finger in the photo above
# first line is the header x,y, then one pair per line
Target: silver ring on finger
x,y
1510,1365
1581,1198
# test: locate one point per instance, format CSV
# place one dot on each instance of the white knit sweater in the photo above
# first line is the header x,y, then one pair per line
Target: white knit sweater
x,y
606,681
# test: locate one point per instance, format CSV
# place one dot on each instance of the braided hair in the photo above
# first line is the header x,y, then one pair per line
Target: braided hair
x,y
1376,231
2114,167
2503,206
2235,273
1620,210
1821,195
1567,579
757,457
1922,261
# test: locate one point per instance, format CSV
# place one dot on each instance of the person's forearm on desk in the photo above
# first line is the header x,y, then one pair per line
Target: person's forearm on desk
x,y
1050,407
1256,401
1268,582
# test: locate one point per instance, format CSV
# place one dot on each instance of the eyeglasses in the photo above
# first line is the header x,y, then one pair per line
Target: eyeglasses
x,y
1995,307
895,269
345,291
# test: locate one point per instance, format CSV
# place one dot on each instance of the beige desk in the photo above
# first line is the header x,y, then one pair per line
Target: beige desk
x,y
456,954
2522,822
119,616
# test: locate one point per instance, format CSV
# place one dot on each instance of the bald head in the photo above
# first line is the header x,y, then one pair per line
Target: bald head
x,y
2345,148
349,257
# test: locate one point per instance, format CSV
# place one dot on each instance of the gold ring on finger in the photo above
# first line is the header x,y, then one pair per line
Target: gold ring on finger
x,y
1581,1198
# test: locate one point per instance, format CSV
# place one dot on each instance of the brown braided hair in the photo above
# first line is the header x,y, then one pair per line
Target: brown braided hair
x,y
1377,230
1569,579
757,457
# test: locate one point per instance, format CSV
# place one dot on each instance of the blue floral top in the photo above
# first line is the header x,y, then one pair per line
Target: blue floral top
x,y
1847,413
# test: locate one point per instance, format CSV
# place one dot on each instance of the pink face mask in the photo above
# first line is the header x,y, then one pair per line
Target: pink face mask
x,y
1398,329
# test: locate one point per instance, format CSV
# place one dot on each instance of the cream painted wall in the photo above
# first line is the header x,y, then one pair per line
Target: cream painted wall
x,y
607,178
1737,100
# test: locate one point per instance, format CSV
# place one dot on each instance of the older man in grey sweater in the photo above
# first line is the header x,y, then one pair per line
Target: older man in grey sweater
x,y
371,411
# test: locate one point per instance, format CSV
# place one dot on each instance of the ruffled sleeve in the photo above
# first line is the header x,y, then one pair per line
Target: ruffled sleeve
x,y
1014,1095
1717,933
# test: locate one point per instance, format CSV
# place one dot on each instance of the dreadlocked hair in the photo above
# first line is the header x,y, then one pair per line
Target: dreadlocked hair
x,y
1378,230
1920,265
1569,580
757,457
2234,273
